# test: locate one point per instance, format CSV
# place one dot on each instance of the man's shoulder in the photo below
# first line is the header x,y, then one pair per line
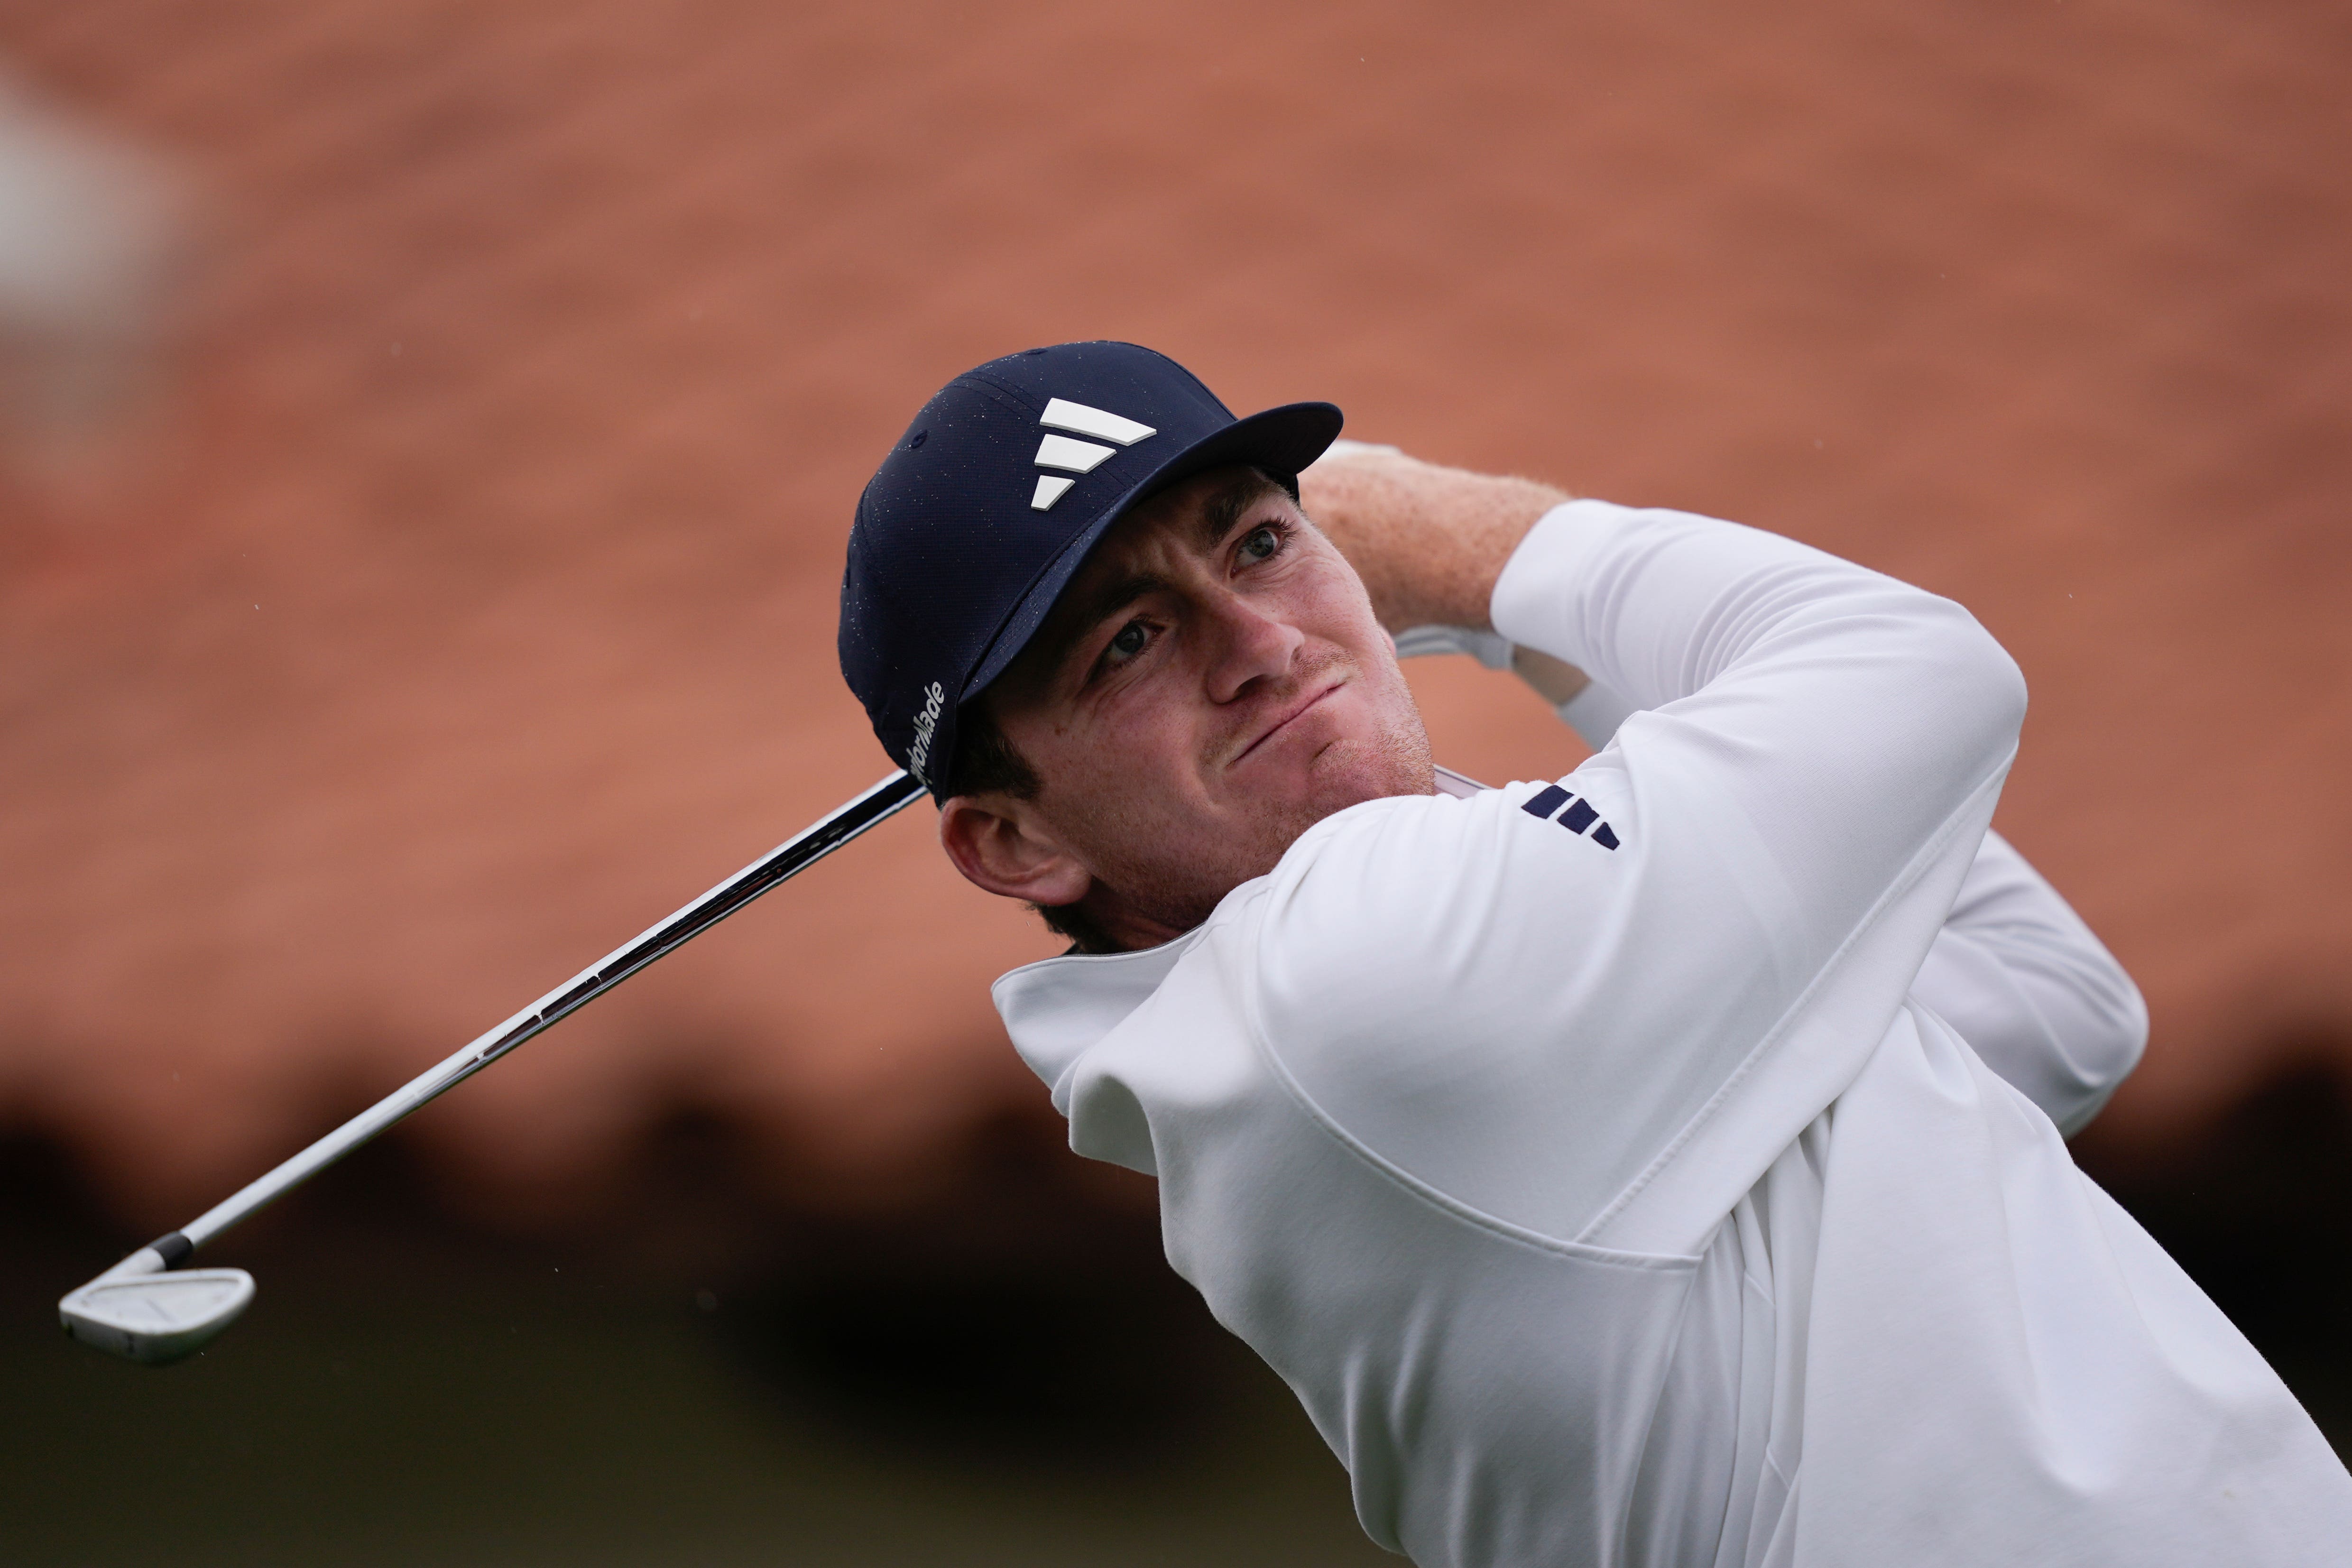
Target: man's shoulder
x,y
1408,852
1430,976
1403,897
1406,823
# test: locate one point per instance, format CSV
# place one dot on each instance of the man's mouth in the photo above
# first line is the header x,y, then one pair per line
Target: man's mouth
x,y
1295,710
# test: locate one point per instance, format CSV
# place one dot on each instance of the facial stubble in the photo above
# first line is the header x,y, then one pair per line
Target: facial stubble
x,y
1127,849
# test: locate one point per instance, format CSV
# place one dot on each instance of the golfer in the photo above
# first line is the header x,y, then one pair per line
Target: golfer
x,y
1658,1165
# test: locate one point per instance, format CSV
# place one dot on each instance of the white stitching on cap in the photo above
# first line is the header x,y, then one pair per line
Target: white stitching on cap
x,y
935,699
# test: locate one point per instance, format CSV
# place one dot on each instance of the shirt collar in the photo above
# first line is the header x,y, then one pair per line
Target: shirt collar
x,y
1058,1009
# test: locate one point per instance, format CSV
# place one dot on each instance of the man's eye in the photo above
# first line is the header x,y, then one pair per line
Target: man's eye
x,y
1261,544
1129,642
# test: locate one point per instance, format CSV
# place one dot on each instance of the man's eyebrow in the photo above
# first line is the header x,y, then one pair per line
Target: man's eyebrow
x,y
1068,628
1226,505
1103,603
1218,513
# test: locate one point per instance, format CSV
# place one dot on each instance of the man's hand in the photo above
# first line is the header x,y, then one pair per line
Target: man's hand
x,y
1429,542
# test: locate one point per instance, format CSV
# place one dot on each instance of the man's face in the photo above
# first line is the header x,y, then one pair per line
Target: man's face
x,y
1210,684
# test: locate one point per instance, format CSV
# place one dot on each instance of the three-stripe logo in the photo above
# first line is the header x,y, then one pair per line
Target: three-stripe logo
x,y
1075,457
1576,818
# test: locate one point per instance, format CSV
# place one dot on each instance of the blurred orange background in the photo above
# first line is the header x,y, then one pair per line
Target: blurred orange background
x,y
418,573
428,433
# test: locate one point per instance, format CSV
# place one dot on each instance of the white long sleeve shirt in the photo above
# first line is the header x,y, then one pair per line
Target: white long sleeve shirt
x,y
1606,1163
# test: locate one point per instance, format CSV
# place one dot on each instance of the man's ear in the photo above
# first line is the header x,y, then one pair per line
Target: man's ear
x,y
1000,844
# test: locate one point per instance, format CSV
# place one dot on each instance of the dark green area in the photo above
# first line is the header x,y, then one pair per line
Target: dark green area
x,y
1025,1382
415,1393
2260,1212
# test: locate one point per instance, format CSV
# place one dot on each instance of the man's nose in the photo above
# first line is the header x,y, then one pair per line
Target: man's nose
x,y
1250,644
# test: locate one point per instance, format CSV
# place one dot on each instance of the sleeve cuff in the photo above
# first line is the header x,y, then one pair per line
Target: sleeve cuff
x,y
1595,713
1535,603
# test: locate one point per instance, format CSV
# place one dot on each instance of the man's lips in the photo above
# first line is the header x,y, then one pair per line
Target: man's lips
x,y
1293,712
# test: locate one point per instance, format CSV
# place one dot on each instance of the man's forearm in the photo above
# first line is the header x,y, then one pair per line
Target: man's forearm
x,y
1429,542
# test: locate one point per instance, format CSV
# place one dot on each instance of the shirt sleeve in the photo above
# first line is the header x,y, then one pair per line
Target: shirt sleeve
x,y
1599,1008
2014,968
2020,978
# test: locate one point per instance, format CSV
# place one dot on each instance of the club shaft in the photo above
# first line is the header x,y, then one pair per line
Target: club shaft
x,y
796,855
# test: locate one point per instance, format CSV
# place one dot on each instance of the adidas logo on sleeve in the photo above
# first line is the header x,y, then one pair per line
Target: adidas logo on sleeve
x,y
1576,818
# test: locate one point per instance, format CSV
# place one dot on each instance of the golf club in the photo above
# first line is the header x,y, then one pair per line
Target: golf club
x,y
149,1309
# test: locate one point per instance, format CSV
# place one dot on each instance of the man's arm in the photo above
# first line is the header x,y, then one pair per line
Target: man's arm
x,y
1429,542
2029,987
1638,1020
2014,970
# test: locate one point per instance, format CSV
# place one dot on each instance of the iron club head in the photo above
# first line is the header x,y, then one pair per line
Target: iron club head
x,y
139,1311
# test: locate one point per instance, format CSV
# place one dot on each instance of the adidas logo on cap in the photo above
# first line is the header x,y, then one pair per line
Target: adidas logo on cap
x,y
1074,456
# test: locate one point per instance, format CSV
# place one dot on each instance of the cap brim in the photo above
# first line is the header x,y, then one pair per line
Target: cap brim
x,y
1282,441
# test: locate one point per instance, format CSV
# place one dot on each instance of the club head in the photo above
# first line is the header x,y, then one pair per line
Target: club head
x,y
156,1318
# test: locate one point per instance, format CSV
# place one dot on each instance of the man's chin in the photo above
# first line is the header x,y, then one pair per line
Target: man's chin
x,y
1337,755
1378,777
1168,898
1350,772
1375,764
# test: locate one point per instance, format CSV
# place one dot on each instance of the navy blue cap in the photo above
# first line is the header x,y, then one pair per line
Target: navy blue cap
x,y
988,503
